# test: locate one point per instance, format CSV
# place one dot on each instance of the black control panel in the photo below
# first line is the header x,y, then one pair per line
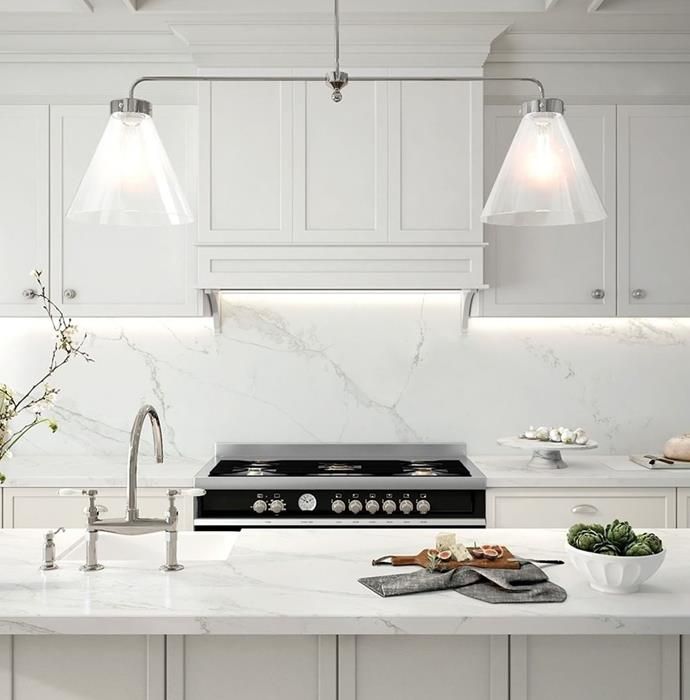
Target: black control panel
x,y
342,505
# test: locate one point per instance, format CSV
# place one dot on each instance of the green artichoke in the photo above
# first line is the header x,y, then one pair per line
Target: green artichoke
x,y
579,527
638,549
650,540
607,548
588,539
620,534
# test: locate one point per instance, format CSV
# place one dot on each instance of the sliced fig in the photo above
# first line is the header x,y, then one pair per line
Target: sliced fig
x,y
445,555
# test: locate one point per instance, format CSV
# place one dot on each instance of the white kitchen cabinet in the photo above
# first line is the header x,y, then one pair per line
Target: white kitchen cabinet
x,y
74,667
119,270
379,191
547,507
389,667
554,270
653,240
634,667
245,178
44,508
435,173
23,206
683,507
285,667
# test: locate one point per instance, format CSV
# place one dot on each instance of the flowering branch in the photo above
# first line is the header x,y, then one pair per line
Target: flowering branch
x,y
40,396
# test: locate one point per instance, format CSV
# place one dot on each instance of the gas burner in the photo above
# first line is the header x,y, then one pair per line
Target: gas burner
x,y
340,468
258,467
423,469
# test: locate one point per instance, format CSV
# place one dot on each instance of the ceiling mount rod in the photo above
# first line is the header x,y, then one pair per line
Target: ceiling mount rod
x,y
312,79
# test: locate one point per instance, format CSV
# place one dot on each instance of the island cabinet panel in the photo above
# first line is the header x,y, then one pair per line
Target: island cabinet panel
x,y
684,507
512,507
653,241
75,667
630,667
44,508
239,667
119,270
397,667
555,270
23,206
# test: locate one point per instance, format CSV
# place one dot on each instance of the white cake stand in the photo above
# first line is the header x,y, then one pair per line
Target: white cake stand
x,y
545,455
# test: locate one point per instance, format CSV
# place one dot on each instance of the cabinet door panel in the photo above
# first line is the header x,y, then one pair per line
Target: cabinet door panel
x,y
654,242
340,165
288,667
74,667
564,507
23,205
435,162
43,508
643,667
552,271
246,163
403,666
119,270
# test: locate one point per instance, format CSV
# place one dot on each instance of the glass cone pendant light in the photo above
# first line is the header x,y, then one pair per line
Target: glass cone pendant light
x,y
130,181
543,181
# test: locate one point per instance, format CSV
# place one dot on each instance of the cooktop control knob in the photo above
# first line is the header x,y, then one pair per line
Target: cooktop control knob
x,y
423,506
389,507
259,506
355,506
276,506
406,507
372,506
338,506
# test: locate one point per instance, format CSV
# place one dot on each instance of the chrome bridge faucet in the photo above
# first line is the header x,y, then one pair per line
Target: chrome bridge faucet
x,y
132,524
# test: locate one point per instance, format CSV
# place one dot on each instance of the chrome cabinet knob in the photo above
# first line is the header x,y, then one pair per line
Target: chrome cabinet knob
x,y
355,507
29,293
389,507
276,506
69,294
423,506
338,506
372,507
259,506
598,294
638,293
406,507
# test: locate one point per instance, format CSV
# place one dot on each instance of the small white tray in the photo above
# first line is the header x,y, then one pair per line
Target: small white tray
x,y
546,455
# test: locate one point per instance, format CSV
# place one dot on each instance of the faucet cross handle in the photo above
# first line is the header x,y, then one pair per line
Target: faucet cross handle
x,y
92,510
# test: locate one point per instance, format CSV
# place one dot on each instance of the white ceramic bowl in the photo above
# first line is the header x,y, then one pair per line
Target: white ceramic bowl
x,y
614,574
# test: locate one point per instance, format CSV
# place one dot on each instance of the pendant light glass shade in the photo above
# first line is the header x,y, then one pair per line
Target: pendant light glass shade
x,y
543,181
130,181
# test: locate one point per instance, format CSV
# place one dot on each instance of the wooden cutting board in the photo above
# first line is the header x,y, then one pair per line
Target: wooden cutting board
x,y
422,559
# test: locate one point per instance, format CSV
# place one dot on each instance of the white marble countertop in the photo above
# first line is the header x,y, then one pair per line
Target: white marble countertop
x,y
595,471
502,471
96,471
305,582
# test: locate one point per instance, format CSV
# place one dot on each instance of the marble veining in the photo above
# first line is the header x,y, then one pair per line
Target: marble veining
x,y
305,582
356,368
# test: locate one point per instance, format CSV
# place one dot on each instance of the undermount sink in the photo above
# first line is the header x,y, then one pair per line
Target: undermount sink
x,y
192,546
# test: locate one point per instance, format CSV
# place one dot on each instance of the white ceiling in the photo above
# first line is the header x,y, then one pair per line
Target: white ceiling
x,y
209,32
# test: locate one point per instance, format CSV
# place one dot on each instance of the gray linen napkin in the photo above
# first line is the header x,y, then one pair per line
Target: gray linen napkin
x,y
528,584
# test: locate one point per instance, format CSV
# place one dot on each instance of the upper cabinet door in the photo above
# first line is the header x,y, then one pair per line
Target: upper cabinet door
x,y
340,175
246,163
435,162
556,270
23,206
118,270
654,234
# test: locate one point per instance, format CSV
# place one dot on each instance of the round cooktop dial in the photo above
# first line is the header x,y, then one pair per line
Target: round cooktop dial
x,y
307,501
355,506
338,506
276,506
406,506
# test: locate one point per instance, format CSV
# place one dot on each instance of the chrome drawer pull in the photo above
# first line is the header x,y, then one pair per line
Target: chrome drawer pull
x,y
584,508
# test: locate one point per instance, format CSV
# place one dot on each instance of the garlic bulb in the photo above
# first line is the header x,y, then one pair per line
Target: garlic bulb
x,y
555,435
568,437
542,433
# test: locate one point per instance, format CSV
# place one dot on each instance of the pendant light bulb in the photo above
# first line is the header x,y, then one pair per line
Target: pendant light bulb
x,y
543,180
130,181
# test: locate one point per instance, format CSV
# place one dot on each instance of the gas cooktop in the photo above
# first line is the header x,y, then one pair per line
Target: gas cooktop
x,y
327,485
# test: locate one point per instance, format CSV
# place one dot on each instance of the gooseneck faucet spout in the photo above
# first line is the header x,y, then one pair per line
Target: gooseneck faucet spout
x,y
134,439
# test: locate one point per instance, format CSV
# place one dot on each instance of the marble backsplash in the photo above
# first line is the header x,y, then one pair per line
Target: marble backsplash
x,y
359,367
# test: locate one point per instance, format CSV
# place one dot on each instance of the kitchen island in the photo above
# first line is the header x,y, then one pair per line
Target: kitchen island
x,y
283,610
